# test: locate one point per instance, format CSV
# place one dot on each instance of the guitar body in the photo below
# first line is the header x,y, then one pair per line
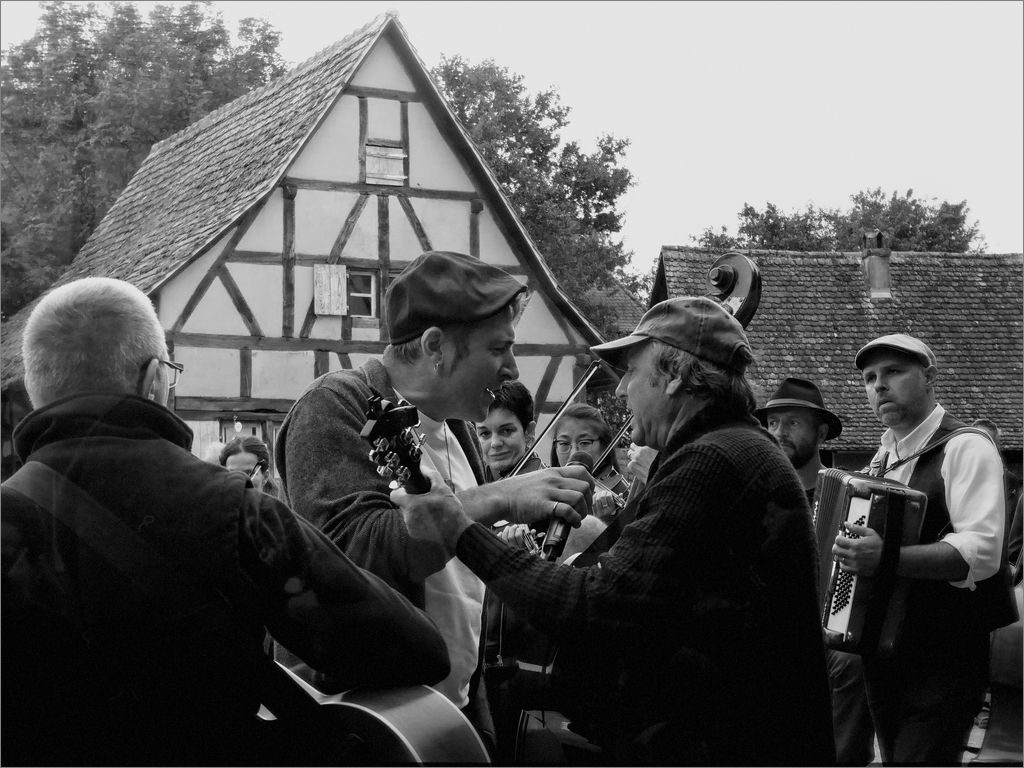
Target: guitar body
x,y
415,725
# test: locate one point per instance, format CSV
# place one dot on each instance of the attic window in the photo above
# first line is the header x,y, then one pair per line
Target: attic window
x,y
362,292
385,162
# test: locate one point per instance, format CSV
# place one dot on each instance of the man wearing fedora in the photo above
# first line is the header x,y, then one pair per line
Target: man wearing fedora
x,y
796,416
923,700
450,320
696,639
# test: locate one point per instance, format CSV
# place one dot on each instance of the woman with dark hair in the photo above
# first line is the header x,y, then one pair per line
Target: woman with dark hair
x,y
250,456
582,427
507,433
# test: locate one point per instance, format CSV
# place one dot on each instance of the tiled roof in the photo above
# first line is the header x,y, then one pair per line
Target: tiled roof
x,y
199,182
815,314
617,300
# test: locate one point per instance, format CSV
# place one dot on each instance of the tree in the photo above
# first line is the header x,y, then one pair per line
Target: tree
x,y
911,224
84,100
567,199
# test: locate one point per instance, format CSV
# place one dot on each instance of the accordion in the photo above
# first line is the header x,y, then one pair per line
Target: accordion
x,y
864,614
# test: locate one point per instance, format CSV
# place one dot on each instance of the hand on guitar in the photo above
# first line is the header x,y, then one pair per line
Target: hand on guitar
x,y
860,552
435,516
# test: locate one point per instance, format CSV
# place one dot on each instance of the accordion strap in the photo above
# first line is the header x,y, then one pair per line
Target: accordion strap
x,y
935,444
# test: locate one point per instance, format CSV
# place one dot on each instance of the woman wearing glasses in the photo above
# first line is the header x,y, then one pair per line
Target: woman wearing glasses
x,y
583,428
250,456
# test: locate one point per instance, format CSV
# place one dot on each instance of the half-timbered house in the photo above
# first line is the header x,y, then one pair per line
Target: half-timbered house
x,y
267,232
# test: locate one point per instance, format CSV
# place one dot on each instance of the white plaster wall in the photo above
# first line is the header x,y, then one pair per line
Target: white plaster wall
x,y
382,69
267,232
532,368
208,372
405,246
365,334
216,313
446,223
303,296
326,328
383,119
178,291
319,217
261,286
537,325
362,242
432,164
277,374
494,248
332,153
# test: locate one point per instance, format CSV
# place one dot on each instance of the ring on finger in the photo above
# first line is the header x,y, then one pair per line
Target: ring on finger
x,y
554,508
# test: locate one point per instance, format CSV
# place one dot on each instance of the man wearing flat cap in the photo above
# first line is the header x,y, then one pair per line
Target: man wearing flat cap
x,y
696,638
923,700
450,320
796,416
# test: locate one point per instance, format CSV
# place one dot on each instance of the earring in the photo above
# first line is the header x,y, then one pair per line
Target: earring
x,y
437,367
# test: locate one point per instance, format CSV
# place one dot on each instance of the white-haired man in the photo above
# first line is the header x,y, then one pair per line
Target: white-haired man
x,y
139,581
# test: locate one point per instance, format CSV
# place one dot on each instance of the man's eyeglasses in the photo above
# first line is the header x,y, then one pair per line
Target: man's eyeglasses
x,y
176,370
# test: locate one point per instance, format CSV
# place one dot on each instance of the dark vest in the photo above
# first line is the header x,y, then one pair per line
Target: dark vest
x,y
942,620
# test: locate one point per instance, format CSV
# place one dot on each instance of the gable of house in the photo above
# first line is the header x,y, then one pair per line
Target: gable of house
x,y
816,312
267,233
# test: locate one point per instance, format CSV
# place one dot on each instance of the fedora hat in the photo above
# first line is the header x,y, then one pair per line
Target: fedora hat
x,y
800,393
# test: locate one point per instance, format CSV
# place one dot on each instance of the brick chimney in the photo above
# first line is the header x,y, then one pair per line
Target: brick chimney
x,y
875,258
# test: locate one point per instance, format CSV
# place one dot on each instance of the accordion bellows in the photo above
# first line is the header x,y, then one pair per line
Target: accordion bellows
x,y
862,614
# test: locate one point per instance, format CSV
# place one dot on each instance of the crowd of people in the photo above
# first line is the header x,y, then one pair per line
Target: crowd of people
x,y
146,591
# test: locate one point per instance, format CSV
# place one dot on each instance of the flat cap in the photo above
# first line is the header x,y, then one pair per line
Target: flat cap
x,y
445,288
899,342
697,325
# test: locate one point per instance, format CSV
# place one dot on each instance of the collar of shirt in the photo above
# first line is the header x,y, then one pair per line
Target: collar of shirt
x,y
916,440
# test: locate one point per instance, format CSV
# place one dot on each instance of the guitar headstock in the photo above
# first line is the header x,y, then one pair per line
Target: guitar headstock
x,y
391,430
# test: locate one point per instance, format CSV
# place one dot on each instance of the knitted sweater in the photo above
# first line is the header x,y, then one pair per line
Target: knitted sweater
x,y
702,616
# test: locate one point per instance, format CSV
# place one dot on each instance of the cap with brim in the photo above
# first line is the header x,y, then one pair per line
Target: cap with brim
x,y
800,393
444,288
899,342
697,325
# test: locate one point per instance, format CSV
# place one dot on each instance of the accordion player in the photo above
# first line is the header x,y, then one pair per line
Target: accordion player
x,y
864,614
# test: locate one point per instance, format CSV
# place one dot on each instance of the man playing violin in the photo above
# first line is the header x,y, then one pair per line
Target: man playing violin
x,y
451,324
696,638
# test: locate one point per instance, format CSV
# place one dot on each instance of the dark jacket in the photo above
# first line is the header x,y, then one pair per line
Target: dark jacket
x,y
102,667
697,640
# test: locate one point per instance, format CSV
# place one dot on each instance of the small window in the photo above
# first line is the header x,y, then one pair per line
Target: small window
x,y
385,163
362,294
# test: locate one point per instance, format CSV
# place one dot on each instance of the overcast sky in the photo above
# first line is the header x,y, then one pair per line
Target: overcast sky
x,y
728,103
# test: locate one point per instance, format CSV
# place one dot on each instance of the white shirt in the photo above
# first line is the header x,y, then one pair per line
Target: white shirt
x,y
972,472
453,596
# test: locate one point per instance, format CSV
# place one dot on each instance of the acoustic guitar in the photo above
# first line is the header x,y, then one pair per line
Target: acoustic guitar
x,y
414,725
391,726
